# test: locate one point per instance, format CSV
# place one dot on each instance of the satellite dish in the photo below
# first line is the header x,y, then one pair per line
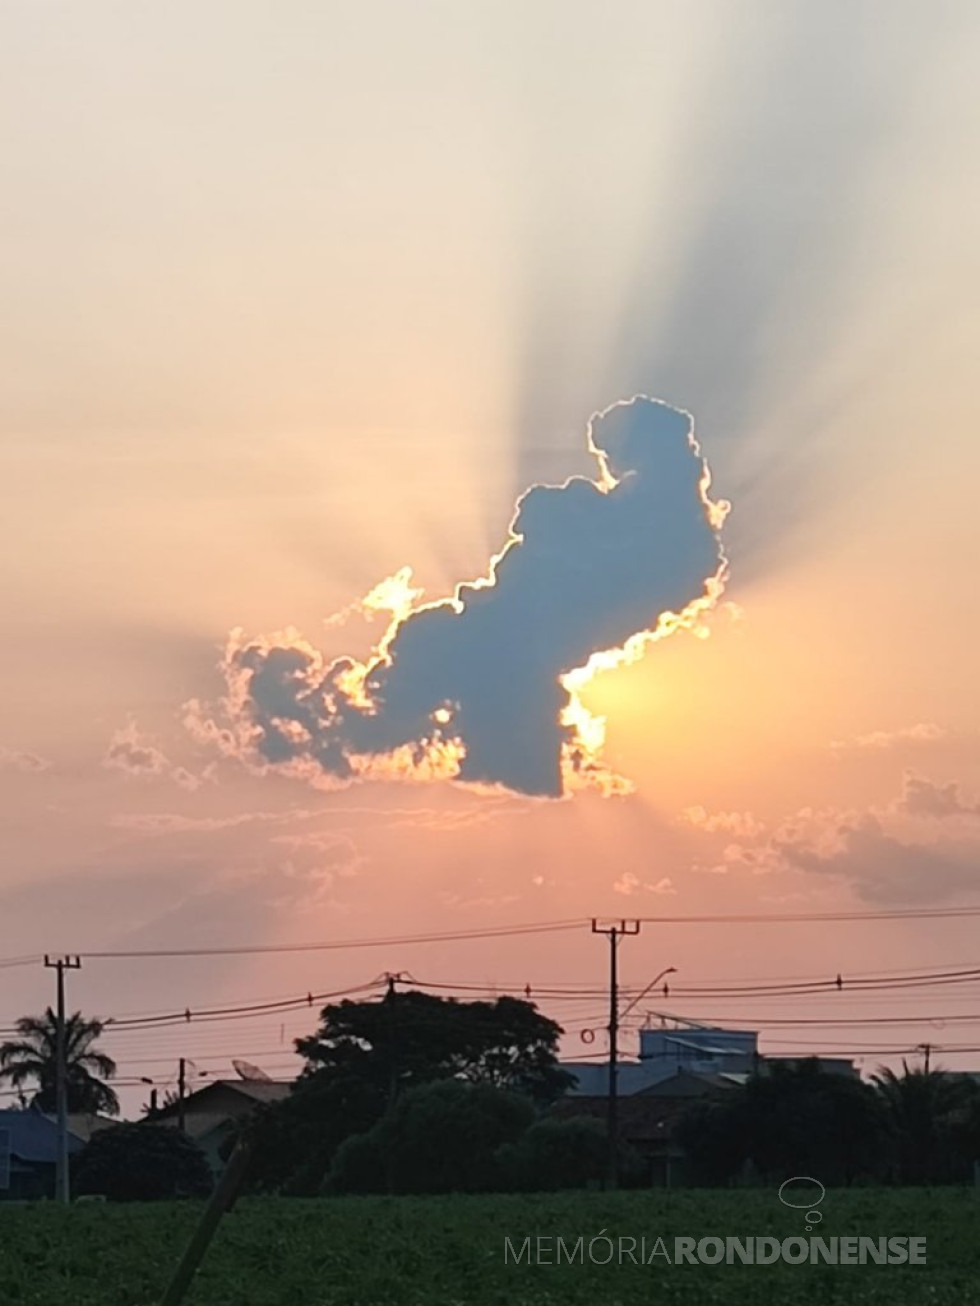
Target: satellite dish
x,y
245,1070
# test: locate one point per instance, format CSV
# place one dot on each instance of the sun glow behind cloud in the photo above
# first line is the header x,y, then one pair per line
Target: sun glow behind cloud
x,y
486,686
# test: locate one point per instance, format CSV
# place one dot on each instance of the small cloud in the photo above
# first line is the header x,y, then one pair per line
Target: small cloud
x,y
628,884
185,779
395,595
127,752
12,759
741,824
134,755
923,797
878,740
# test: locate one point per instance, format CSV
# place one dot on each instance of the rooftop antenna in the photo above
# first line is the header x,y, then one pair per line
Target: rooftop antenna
x,y
245,1070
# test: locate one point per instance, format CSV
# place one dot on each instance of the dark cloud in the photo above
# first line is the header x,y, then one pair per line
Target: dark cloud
x,y
895,854
473,687
887,869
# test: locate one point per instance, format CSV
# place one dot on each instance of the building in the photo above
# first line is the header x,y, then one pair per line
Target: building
x,y
29,1154
646,1119
666,1050
677,1062
685,1045
213,1114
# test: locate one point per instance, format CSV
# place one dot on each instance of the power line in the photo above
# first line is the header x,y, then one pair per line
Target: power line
x,y
769,1022
839,983
538,927
856,986
899,913
405,940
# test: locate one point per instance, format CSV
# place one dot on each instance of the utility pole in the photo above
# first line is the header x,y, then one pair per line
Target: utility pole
x,y
62,1182
391,1032
181,1091
613,933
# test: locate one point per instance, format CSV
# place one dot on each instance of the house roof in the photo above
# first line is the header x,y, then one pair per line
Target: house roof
x,y
592,1078
260,1090
33,1137
251,1091
85,1124
198,1124
694,1083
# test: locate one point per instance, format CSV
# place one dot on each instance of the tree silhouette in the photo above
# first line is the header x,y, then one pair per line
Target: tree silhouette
x,y
789,1120
32,1059
366,1055
929,1112
142,1162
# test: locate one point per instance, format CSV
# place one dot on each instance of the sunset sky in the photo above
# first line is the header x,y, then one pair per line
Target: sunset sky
x,y
294,297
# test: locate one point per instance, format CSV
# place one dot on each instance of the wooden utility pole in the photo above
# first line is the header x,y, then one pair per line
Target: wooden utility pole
x,y
181,1092
614,933
62,1182
221,1199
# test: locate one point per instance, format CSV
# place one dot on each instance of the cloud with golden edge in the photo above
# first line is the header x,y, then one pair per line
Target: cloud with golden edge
x,y
485,687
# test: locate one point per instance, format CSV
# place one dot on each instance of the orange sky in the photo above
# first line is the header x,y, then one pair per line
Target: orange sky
x,y
292,303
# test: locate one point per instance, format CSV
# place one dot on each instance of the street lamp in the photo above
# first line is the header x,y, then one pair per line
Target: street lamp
x,y
669,970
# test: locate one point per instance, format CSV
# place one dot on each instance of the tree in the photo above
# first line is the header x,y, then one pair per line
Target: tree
x,y
790,1120
365,1055
554,1154
933,1119
801,1120
414,1038
294,1140
31,1058
442,1137
710,1134
142,1163
358,1165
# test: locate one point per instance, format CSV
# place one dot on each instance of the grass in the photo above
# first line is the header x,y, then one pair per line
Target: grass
x,y
449,1251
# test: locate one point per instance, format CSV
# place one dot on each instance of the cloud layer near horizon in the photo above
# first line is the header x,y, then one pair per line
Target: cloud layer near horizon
x,y
479,687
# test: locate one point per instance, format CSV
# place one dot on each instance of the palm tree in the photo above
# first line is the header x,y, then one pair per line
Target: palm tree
x,y
925,1108
32,1059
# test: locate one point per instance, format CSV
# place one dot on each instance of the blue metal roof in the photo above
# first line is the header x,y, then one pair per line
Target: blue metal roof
x,y
33,1137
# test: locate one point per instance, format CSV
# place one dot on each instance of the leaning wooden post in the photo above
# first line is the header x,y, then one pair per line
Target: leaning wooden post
x,y
219,1202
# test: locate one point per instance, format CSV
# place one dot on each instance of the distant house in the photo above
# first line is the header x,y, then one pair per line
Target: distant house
x,y
30,1139
646,1119
212,1115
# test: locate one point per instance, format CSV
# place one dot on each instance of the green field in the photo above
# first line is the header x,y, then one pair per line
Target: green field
x,y
450,1251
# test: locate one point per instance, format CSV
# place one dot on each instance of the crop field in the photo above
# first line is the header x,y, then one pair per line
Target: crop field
x,y
453,1251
